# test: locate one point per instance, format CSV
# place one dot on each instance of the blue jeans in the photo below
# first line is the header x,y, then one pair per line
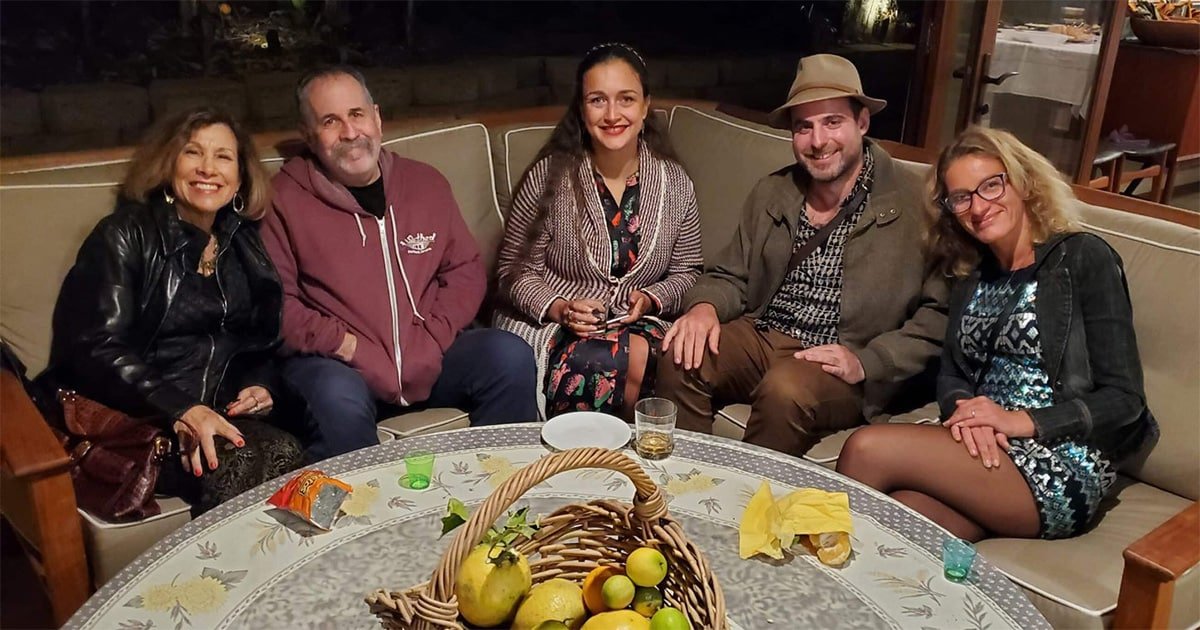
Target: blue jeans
x,y
490,373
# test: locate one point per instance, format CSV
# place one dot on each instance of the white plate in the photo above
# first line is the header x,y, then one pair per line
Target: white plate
x,y
586,428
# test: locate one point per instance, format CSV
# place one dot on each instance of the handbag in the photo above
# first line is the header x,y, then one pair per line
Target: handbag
x,y
115,459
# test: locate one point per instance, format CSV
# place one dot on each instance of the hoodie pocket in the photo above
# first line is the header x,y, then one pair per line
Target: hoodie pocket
x,y
377,369
441,332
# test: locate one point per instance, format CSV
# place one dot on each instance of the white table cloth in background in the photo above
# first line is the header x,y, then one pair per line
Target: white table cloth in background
x,y
1050,67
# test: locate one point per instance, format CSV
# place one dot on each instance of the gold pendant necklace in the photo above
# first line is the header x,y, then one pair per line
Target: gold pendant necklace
x,y
208,259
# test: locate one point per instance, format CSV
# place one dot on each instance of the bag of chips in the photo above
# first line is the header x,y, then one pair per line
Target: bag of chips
x,y
313,496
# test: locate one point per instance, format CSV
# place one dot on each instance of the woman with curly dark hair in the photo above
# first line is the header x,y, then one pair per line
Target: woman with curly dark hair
x,y
602,241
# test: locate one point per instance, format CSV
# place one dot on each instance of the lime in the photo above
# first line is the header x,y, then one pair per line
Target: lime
x,y
647,600
617,592
646,566
669,619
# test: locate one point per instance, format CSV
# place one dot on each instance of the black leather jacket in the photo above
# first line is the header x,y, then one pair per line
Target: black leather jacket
x,y
124,282
1089,349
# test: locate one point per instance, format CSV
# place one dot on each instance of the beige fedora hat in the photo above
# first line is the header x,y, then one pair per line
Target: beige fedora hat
x,y
820,77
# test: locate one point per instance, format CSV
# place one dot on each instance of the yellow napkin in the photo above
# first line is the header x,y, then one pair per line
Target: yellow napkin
x,y
769,526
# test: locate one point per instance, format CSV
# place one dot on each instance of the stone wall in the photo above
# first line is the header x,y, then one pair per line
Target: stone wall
x,y
88,116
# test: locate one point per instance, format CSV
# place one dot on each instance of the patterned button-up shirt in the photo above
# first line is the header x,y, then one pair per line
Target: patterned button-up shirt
x,y
808,307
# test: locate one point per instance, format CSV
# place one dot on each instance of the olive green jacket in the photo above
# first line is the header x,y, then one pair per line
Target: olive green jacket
x,y
893,302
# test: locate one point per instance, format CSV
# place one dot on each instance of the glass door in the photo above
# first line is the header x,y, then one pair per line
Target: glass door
x,y
1037,68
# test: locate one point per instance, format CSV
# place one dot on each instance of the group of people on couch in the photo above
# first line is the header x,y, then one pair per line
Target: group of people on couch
x,y
272,323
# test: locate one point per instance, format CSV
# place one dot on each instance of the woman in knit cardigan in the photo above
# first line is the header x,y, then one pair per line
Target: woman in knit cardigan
x,y
602,241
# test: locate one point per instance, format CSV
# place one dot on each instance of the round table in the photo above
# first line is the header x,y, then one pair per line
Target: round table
x,y
246,565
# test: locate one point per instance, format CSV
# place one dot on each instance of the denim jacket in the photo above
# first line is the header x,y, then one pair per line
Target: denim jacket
x,y
1089,349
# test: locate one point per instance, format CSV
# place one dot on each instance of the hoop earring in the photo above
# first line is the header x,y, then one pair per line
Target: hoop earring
x,y
239,204
169,197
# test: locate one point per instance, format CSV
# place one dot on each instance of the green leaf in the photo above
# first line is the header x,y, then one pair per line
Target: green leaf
x,y
456,514
516,520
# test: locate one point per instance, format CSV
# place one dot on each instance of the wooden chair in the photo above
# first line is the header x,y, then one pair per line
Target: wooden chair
x,y
1156,161
1108,163
38,500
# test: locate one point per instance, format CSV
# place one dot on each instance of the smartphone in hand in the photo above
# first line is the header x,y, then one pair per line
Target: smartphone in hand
x,y
614,322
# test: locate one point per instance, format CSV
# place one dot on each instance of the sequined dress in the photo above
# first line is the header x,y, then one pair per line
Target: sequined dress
x,y
1068,479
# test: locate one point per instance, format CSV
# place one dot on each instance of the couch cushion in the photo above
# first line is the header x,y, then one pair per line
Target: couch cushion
x,y
725,156
1078,578
463,155
425,421
513,150
1162,263
111,546
43,227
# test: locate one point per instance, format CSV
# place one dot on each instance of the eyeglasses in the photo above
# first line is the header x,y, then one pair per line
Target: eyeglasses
x,y
989,189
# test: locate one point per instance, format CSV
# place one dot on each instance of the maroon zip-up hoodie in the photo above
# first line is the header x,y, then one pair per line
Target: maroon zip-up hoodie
x,y
404,285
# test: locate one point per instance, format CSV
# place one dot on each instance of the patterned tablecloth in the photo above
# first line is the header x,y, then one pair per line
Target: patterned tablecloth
x,y
241,566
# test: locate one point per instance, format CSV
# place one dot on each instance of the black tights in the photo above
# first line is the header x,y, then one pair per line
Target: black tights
x,y
923,467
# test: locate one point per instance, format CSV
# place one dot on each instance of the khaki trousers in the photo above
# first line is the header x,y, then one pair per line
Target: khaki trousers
x,y
794,403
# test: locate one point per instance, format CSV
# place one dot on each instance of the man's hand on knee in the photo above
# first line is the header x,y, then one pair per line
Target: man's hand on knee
x,y
837,360
691,333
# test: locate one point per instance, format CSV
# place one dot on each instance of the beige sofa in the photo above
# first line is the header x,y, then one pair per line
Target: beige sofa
x,y
46,213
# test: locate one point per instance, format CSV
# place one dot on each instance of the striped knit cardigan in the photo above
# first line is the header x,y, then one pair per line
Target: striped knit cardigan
x,y
560,264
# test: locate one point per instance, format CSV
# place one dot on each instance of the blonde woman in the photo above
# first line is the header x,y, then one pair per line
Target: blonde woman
x,y
1040,386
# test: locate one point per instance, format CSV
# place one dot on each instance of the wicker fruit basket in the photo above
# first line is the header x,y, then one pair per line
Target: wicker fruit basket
x,y
571,542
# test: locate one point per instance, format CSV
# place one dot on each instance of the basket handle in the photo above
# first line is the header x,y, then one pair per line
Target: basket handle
x,y
648,502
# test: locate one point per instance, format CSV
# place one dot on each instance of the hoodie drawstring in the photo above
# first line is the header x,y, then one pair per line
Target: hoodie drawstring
x,y
361,232
403,275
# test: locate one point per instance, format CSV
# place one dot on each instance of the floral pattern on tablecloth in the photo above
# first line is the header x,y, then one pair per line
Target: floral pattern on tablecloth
x,y
287,574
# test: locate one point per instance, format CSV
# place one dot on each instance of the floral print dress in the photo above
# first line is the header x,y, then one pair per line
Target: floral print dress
x,y
588,373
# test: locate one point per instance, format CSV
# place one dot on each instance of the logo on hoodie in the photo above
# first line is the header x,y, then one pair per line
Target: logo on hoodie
x,y
419,243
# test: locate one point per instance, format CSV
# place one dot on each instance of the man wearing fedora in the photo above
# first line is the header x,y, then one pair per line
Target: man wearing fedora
x,y
822,306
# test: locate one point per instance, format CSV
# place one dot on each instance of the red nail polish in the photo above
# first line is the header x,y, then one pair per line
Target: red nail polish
x,y
241,443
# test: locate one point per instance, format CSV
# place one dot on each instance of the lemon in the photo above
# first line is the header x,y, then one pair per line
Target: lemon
x,y
646,566
488,593
552,625
617,592
669,619
552,600
617,620
647,600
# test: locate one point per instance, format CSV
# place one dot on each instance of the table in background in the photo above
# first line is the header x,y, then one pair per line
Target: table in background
x,y
239,567
1050,67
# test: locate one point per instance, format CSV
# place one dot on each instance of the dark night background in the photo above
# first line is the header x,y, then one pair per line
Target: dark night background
x,y
46,45
48,42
